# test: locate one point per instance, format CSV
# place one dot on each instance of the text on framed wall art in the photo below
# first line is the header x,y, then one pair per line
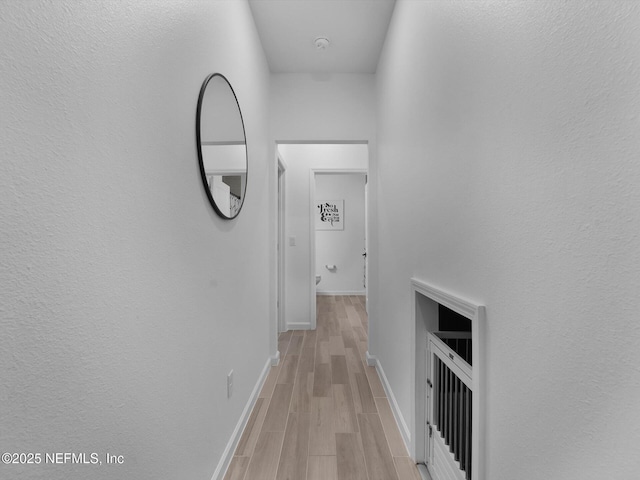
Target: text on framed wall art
x,y
329,215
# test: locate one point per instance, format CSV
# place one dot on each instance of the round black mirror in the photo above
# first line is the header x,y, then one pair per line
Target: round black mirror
x,y
222,146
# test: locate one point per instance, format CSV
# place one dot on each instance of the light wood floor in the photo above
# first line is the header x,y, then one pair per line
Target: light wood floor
x,y
323,413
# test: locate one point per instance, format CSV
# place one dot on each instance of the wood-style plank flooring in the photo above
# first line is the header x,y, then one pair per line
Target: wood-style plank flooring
x,y
323,413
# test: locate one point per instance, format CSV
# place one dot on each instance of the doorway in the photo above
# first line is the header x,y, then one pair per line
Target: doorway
x,y
297,238
339,223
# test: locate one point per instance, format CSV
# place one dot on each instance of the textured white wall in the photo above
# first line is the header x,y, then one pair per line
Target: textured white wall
x,y
124,299
322,107
509,140
300,159
342,248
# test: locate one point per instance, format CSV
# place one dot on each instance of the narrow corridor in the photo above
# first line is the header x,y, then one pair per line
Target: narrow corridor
x,y
323,413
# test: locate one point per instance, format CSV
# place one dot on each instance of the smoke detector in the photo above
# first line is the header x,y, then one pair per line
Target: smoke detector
x,y
321,43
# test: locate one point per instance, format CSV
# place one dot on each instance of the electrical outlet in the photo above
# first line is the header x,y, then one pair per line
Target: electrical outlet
x,y
230,384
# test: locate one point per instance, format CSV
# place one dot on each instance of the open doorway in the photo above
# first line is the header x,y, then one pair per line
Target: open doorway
x,y
298,243
339,220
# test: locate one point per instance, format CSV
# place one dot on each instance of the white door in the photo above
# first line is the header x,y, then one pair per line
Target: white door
x,y
366,241
280,248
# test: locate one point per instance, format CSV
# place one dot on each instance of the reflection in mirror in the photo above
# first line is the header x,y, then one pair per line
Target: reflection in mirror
x,y
222,149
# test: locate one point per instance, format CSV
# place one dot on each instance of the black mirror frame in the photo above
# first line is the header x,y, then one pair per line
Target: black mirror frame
x,y
203,175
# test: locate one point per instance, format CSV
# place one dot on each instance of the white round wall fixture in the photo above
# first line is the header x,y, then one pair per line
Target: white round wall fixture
x,y
321,43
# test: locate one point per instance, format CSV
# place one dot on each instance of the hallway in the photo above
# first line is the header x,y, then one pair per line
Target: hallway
x,y
322,413
502,141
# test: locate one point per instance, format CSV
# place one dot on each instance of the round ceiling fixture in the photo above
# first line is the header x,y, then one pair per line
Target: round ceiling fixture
x,y
321,43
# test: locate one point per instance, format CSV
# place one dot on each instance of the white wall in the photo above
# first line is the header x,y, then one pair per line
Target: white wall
x,y
300,160
342,248
124,299
224,159
322,107
509,140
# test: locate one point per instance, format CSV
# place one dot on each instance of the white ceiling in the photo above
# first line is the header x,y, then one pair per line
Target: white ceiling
x,y
355,28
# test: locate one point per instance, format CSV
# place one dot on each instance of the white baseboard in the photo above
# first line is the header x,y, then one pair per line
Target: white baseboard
x,y
298,326
373,361
227,455
275,359
424,473
341,292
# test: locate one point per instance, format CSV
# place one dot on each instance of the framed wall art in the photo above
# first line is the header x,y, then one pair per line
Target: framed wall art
x,y
329,214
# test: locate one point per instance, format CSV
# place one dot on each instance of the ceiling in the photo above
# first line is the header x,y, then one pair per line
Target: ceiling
x,y
356,30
